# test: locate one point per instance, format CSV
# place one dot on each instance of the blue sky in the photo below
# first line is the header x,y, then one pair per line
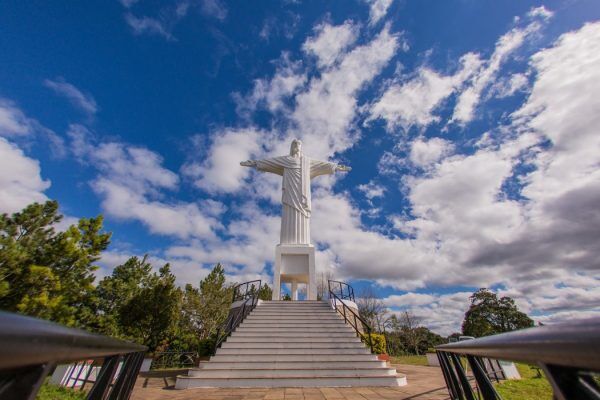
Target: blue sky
x,y
471,127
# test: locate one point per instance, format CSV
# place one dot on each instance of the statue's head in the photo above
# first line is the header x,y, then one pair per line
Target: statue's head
x,y
296,147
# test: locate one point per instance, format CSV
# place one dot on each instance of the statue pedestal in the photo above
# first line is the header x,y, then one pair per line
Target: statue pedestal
x,y
295,263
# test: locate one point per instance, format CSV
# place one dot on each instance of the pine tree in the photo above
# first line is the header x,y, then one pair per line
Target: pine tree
x,y
49,274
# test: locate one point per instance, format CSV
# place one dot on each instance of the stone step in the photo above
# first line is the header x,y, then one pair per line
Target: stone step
x,y
300,329
301,302
322,344
290,339
293,357
306,308
290,373
299,323
294,334
293,315
295,322
354,349
317,365
285,306
186,382
287,318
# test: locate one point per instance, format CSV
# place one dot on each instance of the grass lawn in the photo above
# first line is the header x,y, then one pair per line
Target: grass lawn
x,y
53,392
410,360
530,387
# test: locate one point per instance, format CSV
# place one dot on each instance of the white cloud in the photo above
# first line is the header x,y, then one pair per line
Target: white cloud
x,y
13,121
131,181
21,182
331,42
85,102
221,170
413,102
324,113
508,87
424,152
505,47
148,25
378,10
273,93
442,313
372,190
540,11
214,8
128,3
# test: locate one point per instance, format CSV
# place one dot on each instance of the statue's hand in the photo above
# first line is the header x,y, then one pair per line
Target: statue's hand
x,y
248,163
343,168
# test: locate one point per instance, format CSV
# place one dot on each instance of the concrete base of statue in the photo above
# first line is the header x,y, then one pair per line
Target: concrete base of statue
x,y
295,264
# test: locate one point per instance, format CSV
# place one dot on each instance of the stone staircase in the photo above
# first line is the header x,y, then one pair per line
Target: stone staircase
x,y
292,344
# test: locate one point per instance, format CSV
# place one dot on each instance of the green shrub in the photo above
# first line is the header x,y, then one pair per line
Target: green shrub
x,y
378,342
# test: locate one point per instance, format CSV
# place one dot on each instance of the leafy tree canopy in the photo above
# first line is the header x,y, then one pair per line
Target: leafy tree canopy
x,y
489,315
45,273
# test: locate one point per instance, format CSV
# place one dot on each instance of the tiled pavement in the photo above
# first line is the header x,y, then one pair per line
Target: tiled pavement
x,y
424,383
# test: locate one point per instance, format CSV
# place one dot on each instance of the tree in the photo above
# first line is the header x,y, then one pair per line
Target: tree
x,y
489,315
215,300
151,316
413,335
265,292
49,274
372,309
323,284
126,282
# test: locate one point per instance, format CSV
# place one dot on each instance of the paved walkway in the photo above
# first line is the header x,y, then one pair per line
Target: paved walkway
x,y
424,383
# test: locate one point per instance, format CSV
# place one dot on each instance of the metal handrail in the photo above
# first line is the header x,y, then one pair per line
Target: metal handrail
x,y
30,348
567,353
235,318
249,291
350,316
341,286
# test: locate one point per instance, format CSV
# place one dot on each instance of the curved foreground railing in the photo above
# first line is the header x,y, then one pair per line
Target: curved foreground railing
x,y
341,289
30,348
247,294
361,327
569,354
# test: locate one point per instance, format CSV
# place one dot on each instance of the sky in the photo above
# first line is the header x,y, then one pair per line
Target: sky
x,y
471,128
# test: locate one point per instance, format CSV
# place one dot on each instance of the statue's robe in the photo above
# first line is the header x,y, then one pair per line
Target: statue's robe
x,y
297,173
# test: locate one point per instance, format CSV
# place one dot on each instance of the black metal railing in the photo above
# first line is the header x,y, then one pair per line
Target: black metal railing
x,y
361,327
174,359
247,294
341,289
246,290
568,353
30,348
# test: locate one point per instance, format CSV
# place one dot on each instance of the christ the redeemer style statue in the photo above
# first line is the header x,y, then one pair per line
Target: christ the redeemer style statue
x,y
295,255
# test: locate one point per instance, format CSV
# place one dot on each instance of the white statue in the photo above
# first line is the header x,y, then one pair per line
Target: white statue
x,y
297,171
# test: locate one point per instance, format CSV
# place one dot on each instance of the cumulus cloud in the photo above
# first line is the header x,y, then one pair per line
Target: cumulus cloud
x,y
13,122
509,86
424,152
413,102
324,112
275,92
378,10
221,170
21,182
372,190
330,42
131,182
505,47
85,102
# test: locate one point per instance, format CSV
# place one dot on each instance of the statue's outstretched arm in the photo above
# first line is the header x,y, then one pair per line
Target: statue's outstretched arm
x,y
248,163
343,168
